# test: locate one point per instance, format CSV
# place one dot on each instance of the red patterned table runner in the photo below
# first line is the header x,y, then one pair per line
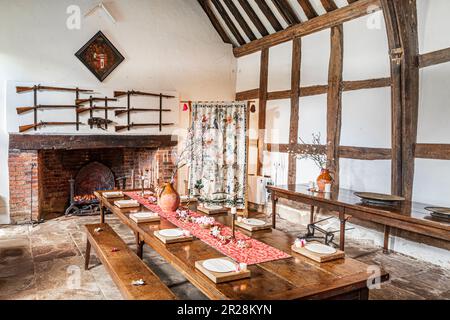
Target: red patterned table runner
x,y
256,252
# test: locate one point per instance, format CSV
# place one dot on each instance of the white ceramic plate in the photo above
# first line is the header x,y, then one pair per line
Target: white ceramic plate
x,y
320,248
171,233
254,222
219,265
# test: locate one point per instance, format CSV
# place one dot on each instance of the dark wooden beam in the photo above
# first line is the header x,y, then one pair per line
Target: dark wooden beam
x,y
360,153
81,142
396,52
432,151
247,95
263,84
334,101
308,9
317,90
366,84
286,11
329,5
346,152
295,112
334,18
434,58
254,17
262,4
216,24
240,19
226,18
407,21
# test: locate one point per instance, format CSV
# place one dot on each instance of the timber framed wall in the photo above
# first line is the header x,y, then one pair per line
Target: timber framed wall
x,y
400,22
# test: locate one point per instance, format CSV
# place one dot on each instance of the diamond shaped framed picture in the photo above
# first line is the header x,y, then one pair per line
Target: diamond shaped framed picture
x,y
100,56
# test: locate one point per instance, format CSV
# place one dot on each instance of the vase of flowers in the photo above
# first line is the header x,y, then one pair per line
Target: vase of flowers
x,y
317,153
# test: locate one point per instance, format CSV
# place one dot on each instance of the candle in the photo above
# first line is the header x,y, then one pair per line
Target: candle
x,y
243,266
233,210
328,188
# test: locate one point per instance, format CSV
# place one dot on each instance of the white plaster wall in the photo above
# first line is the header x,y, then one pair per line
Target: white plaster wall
x,y
169,46
434,107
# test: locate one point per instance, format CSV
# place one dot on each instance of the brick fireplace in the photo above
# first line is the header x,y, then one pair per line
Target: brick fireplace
x,y
40,166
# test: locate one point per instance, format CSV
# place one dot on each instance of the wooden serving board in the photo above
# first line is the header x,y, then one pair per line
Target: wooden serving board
x,y
126,206
145,220
191,200
217,277
113,195
212,212
321,258
168,240
248,227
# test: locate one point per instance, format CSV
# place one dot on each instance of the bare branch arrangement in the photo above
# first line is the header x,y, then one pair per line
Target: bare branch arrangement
x,y
314,151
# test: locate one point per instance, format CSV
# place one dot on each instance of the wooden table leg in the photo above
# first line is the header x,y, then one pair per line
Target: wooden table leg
x,y
274,212
342,231
139,246
387,232
102,213
87,255
311,219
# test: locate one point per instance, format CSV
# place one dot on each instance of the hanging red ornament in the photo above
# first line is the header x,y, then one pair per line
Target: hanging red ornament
x,y
185,107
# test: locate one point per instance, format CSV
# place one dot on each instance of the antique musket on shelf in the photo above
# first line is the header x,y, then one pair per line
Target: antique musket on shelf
x,y
83,110
119,94
44,124
46,88
22,110
83,101
133,125
124,111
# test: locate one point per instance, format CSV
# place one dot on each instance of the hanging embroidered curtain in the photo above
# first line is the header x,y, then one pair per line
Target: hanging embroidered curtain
x,y
218,166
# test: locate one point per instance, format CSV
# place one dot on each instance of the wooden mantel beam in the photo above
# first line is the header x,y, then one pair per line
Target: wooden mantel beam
x,y
337,17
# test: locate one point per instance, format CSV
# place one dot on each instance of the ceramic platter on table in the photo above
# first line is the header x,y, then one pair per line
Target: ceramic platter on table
x,y
219,265
439,212
254,222
378,198
171,233
320,248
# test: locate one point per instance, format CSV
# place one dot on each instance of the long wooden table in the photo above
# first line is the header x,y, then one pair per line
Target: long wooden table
x,y
409,216
288,279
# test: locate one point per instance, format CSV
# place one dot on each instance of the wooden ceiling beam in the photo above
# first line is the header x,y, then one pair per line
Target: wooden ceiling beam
x,y
216,24
226,18
262,4
240,19
433,58
326,21
308,9
254,17
286,11
329,5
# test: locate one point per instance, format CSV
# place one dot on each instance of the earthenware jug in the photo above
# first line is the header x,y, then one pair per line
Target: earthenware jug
x,y
323,179
168,198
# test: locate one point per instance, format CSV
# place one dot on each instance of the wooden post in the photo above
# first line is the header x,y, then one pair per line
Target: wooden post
x,y
264,77
401,22
334,101
274,211
295,94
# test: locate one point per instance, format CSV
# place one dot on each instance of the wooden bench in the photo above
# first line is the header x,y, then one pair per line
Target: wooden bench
x,y
124,265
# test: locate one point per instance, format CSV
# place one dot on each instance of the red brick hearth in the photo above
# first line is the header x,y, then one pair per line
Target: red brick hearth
x,y
39,172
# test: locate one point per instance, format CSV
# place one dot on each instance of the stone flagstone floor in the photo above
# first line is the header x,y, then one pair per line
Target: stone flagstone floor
x,y
47,263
